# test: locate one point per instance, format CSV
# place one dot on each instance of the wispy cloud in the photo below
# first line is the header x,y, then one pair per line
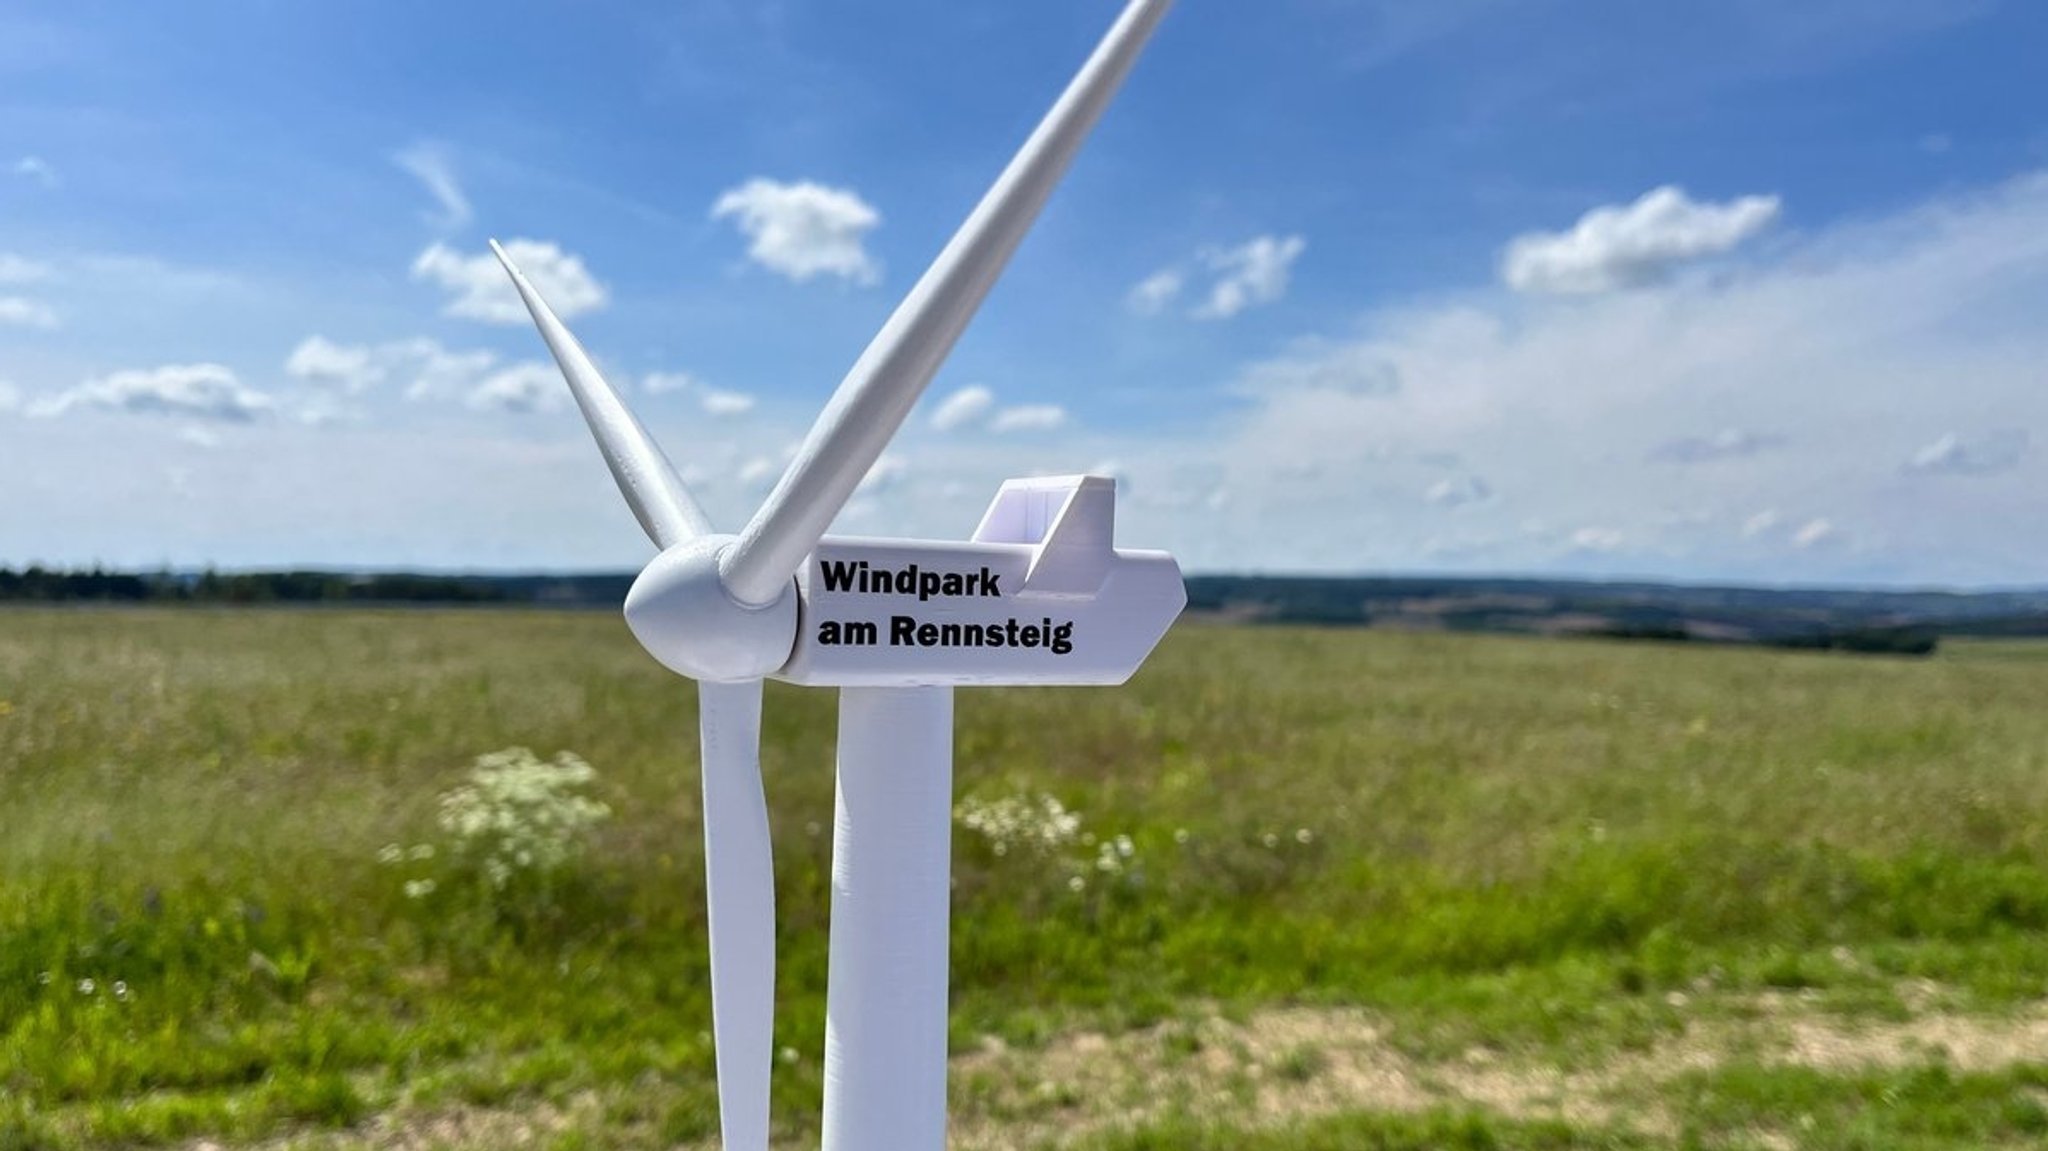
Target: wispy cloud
x,y
22,312
1249,275
1228,279
1954,455
1156,292
18,270
428,163
38,170
1726,444
1029,418
718,402
1458,492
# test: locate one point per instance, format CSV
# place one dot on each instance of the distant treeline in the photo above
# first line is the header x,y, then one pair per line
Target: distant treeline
x,y
1891,622
1886,622
44,585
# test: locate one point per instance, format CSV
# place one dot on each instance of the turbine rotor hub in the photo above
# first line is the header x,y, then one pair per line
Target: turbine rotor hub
x,y
680,611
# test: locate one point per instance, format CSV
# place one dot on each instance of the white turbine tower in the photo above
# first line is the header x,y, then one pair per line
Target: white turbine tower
x,y
1039,596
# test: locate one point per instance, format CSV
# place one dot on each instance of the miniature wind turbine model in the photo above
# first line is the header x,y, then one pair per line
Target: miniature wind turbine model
x,y
1039,596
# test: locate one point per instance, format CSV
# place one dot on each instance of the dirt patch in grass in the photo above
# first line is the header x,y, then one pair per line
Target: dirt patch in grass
x,y
1298,1063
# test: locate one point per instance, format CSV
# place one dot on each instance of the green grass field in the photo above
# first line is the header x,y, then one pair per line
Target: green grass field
x,y
1381,890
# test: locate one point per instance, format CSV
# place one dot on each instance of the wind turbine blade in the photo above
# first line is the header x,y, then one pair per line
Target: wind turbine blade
x,y
645,477
886,381
739,878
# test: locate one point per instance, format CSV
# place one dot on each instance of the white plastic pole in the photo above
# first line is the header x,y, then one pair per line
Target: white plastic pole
x,y
885,999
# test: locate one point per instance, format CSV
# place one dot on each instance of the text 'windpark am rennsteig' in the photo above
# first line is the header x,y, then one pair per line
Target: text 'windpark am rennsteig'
x,y
858,577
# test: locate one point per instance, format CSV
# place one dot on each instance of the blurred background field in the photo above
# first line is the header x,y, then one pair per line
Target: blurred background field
x,y
1290,888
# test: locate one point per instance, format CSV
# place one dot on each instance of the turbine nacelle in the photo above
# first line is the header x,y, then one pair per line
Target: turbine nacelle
x,y
683,614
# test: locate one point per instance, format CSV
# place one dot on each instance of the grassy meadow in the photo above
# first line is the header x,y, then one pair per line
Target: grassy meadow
x,y
1374,890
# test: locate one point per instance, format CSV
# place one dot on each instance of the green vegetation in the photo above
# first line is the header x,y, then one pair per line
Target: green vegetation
x,y
1467,860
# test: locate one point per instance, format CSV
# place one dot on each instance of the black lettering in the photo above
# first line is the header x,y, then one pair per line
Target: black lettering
x,y
1063,639
838,576
927,634
901,628
1030,635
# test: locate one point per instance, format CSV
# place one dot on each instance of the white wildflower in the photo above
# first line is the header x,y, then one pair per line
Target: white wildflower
x,y
419,888
87,987
390,853
518,814
1270,840
1040,824
1304,836
421,851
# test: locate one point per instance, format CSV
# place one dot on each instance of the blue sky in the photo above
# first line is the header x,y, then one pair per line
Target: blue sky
x,y
1738,290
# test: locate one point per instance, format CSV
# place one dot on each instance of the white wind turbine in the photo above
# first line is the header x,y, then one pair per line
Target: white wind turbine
x,y
1039,596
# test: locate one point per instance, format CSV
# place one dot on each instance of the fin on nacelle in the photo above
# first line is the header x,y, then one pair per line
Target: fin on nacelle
x,y
1069,520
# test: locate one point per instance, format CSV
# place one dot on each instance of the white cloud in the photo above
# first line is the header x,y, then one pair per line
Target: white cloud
x,y
1953,455
1458,491
967,406
199,437
17,270
322,361
1813,533
664,383
1632,245
1760,523
38,169
21,312
1248,275
803,230
199,391
10,397
722,403
1726,444
1156,292
1029,418
520,389
428,163
480,290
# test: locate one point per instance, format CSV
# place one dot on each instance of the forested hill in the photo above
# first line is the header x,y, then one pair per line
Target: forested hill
x,y
1902,621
